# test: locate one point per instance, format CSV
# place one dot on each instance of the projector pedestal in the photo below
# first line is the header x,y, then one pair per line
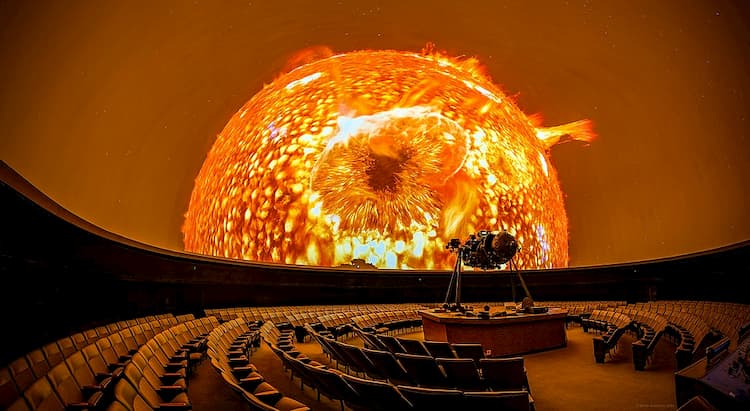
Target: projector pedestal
x,y
499,336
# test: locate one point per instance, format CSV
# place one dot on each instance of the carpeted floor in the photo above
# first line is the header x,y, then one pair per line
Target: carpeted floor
x,y
561,380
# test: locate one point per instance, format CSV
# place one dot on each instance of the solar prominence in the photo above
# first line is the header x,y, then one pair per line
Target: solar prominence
x,y
382,156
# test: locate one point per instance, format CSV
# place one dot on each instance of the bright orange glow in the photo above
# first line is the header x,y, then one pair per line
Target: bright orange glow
x,y
383,156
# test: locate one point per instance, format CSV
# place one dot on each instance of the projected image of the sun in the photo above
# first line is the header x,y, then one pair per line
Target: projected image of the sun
x,y
382,156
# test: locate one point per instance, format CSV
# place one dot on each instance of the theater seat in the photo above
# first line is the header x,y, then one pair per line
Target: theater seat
x,y
423,369
387,363
155,396
70,393
133,400
53,354
381,396
503,374
468,350
85,378
432,399
21,373
41,396
439,349
19,404
461,373
8,390
38,363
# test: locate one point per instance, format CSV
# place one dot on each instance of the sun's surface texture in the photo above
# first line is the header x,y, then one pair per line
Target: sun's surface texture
x,y
382,156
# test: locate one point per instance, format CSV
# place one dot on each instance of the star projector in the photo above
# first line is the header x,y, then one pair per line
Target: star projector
x,y
486,250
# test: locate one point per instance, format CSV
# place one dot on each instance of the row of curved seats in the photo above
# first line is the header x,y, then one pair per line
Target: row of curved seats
x,y
612,325
279,314
334,319
424,370
230,348
578,310
725,318
388,321
690,334
360,393
435,349
156,375
85,378
82,347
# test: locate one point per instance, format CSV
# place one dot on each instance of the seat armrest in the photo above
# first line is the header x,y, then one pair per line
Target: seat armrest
x,y
269,397
170,389
115,365
104,385
94,402
170,377
172,366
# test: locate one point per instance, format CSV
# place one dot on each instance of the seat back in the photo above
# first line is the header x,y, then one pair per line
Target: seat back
x,y
102,331
128,338
91,336
128,395
148,331
144,389
362,362
386,362
41,396
53,354
334,385
439,349
138,335
67,346
80,370
64,384
107,351
461,373
38,363
413,346
19,404
379,395
392,343
8,390
79,340
21,372
118,345
503,374
370,339
430,399
469,350
95,360
423,369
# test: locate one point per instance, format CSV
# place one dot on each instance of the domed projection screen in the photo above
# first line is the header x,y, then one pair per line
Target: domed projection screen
x,y
382,156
